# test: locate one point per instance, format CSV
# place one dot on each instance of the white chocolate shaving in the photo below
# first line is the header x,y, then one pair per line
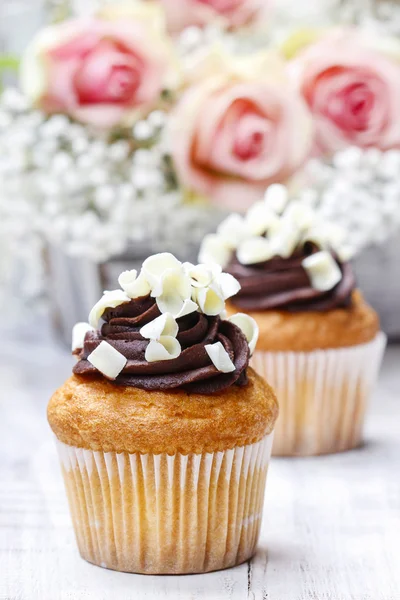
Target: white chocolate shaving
x,y
259,219
78,335
210,300
200,275
214,250
346,252
300,215
107,360
155,266
276,197
228,285
188,307
254,250
165,348
249,327
232,230
172,290
322,270
164,325
219,357
108,300
134,286
284,241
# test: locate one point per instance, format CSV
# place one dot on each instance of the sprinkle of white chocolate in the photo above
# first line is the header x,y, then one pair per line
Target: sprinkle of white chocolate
x,y
276,197
165,348
260,218
108,300
228,285
173,289
254,250
210,300
214,250
249,327
322,270
200,275
78,335
155,266
106,359
232,230
134,286
219,357
165,324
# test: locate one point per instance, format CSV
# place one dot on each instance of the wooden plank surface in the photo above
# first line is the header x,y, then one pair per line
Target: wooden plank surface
x,y
331,529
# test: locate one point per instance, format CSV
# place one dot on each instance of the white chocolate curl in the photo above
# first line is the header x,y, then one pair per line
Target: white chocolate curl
x,y
200,275
254,250
155,266
173,293
165,348
232,230
134,286
322,270
210,300
107,360
108,300
276,197
164,325
259,219
228,285
248,326
78,335
219,357
214,250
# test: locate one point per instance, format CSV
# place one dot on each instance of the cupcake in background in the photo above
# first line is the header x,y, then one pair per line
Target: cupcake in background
x,y
164,431
320,344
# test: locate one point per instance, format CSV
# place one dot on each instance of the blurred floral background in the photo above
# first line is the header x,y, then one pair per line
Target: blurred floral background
x,y
135,127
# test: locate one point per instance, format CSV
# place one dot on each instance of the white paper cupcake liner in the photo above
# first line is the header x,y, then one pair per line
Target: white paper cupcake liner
x,y
148,513
322,395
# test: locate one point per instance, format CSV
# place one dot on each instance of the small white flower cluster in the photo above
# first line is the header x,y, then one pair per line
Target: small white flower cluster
x,y
66,185
272,227
179,289
359,190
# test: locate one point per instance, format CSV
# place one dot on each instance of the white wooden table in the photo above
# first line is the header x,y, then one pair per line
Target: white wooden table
x,y
331,528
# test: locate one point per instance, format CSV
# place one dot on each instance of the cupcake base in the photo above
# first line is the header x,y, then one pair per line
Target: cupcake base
x,y
322,396
161,514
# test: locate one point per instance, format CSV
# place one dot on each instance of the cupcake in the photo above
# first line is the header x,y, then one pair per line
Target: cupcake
x,y
164,432
319,346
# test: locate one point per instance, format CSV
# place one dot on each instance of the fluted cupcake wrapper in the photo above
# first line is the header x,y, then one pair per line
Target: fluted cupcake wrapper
x,y
322,395
155,513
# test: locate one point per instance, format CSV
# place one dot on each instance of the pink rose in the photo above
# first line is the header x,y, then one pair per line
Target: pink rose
x,y
234,134
353,90
98,71
232,13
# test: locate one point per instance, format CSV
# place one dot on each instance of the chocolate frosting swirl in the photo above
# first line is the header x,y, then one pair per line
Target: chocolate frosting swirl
x,y
192,370
283,284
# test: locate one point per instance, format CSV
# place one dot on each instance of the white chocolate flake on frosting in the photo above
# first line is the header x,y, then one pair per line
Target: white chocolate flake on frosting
x,y
219,357
107,360
322,270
